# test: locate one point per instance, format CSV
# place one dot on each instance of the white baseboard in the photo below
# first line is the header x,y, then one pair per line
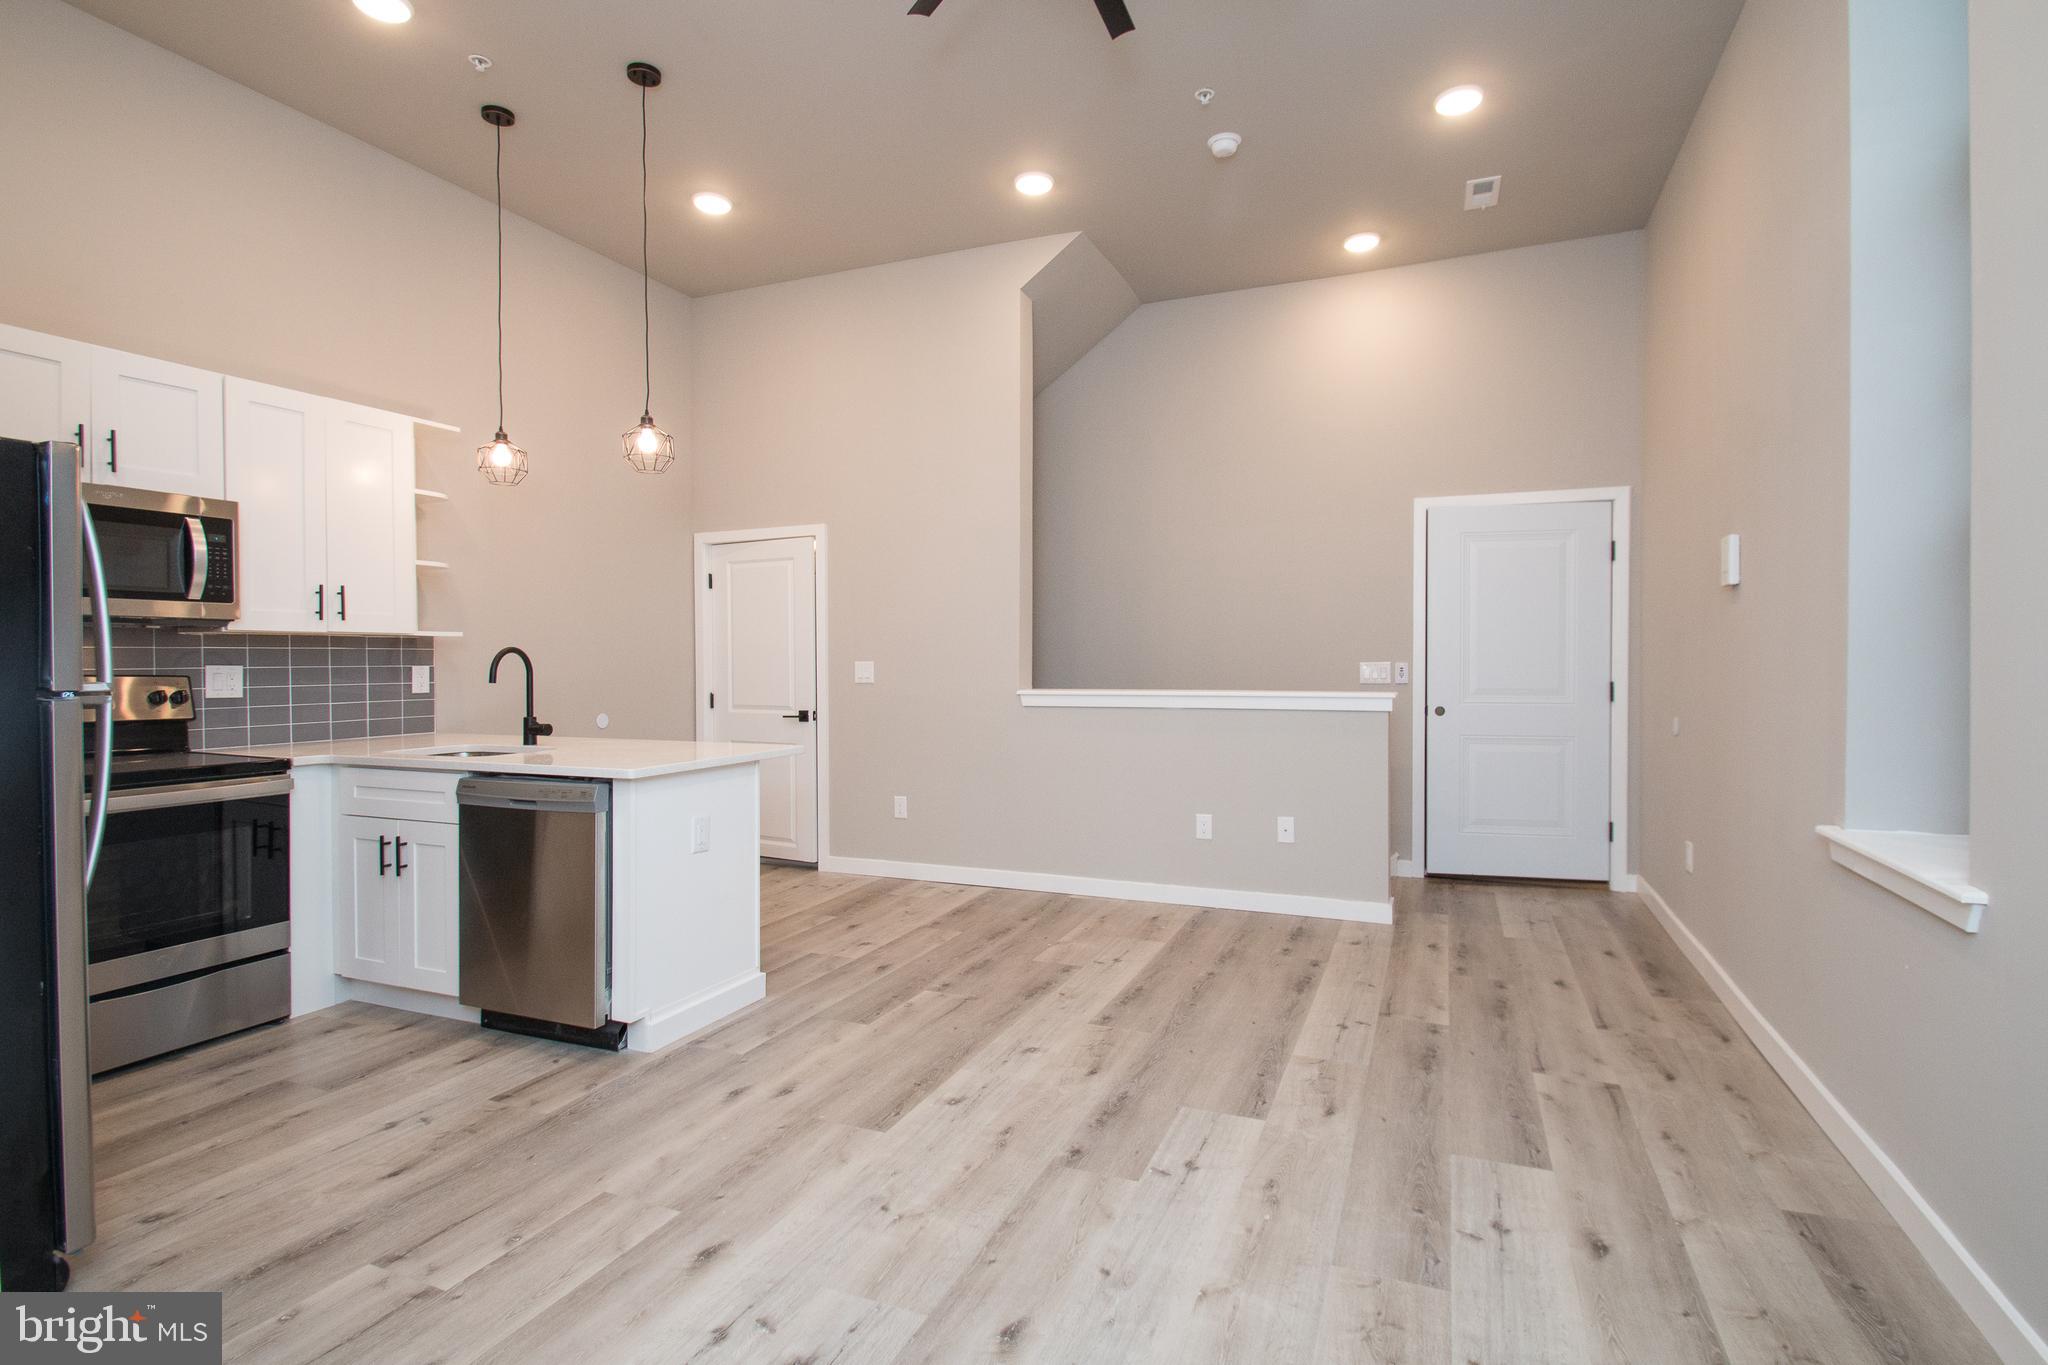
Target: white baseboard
x,y
678,1021
400,998
2010,1335
1209,897
1624,881
1407,867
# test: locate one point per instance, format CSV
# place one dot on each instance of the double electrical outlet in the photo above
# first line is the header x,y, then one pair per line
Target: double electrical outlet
x,y
1205,828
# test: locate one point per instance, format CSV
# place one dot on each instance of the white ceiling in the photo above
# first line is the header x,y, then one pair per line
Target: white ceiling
x,y
849,133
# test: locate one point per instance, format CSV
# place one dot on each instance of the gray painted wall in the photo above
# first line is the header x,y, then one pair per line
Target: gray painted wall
x,y
911,443
1226,484
1933,1039
252,240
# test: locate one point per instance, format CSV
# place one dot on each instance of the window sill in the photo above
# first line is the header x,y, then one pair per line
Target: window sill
x,y
1930,870
1151,700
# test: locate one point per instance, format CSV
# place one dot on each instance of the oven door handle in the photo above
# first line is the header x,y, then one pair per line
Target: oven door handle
x,y
197,794
198,557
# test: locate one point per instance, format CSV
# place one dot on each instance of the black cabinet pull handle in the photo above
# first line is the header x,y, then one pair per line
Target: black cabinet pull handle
x,y
113,451
400,863
383,854
341,597
320,603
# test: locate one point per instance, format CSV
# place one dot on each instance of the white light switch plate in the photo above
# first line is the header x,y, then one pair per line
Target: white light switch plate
x,y
223,680
1286,829
1205,827
863,670
1376,673
902,808
700,834
422,677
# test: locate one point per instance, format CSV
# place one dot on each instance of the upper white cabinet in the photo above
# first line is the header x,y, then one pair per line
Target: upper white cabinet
x,y
155,425
327,522
45,386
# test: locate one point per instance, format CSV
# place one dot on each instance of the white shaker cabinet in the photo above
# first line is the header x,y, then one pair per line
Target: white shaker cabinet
x,y
45,387
155,424
327,522
396,905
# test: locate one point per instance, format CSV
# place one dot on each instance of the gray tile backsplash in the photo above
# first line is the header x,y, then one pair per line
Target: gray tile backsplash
x,y
295,688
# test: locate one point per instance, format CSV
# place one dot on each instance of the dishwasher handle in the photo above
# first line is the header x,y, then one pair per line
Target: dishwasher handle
x,y
527,793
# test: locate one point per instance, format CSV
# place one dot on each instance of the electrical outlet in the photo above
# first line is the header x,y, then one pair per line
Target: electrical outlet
x,y
1286,831
902,808
863,670
223,680
1205,827
1376,673
1688,855
700,834
422,677
1401,675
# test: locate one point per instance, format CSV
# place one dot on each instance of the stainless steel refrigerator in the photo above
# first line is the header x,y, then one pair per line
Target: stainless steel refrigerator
x,y
50,825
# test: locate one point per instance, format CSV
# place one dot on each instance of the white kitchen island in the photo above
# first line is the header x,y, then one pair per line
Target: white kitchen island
x,y
685,881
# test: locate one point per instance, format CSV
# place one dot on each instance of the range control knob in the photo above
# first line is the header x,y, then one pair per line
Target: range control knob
x,y
159,697
180,697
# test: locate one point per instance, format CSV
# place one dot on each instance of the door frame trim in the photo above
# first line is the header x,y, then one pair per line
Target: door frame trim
x,y
704,540
1619,878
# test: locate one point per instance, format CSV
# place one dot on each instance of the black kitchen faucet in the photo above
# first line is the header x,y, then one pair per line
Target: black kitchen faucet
x,y
530,727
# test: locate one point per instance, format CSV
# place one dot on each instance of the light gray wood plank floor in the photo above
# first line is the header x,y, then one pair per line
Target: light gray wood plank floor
x,y
973,1125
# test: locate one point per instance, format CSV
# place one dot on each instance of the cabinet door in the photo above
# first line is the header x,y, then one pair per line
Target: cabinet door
x,y
427,907
156,425
371,532
277,472
45,387
367,933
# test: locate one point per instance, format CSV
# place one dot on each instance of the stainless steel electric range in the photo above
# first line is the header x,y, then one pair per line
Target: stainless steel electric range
x,y
189,917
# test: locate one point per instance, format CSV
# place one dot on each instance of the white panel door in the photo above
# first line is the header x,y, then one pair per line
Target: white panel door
x,y
156,425
371,573
366,928
761,676
1516,728
423,876
45,387
277,472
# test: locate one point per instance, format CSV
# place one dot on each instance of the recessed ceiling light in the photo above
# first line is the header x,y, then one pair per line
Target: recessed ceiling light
x,y
1459,100
713,204
386,11
1358,243
1034,183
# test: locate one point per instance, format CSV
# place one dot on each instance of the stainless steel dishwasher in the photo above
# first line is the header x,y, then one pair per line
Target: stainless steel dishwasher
x,y
536,906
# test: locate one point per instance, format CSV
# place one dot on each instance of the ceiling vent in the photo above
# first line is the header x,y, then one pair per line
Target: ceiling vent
x,y
1482,193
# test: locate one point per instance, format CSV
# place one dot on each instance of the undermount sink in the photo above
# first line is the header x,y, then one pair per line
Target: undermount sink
x,y
512,752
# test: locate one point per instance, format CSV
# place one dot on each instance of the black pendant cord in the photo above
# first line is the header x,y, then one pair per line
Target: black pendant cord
x,y
646,304
499,174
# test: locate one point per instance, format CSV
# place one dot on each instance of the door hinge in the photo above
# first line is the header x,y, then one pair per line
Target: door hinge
x,y
714,701
708,582
1610,691
1613,551
1610,831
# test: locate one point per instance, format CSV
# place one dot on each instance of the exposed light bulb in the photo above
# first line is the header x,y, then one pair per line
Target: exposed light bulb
x,y
501,453
646,440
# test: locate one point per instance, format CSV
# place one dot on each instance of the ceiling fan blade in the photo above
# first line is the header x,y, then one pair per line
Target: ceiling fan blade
x,y
924,7
1116,16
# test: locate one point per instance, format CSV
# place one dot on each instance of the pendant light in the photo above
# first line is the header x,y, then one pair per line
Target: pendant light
x,y
500,462
649,449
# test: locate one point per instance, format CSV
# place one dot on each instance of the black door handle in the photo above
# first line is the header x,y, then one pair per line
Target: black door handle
x,y
113,452
399,861
383,854
799,715
1439,710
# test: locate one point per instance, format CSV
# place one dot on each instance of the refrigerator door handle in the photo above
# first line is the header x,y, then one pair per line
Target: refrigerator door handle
x,y
98,694
64,720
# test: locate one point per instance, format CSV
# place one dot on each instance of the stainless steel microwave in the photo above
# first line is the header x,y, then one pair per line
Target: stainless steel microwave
x,y
167,556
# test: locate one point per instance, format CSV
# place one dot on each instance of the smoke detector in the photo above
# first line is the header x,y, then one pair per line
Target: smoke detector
x,y
1482,193
1224,146
1204,95
479,62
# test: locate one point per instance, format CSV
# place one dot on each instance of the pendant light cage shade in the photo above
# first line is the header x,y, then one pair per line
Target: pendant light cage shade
x,y
501,462
648,448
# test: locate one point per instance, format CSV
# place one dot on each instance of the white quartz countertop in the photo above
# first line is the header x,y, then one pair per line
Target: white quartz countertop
x,y
621,760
